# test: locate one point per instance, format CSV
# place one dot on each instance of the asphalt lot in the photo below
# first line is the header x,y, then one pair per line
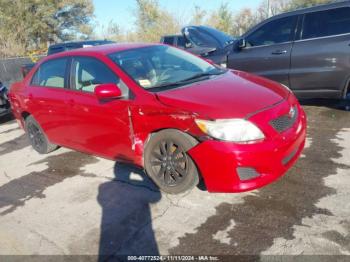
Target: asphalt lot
x,y
71,203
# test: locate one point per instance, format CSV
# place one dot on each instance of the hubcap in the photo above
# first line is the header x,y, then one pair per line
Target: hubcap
x,y
36,137
170,163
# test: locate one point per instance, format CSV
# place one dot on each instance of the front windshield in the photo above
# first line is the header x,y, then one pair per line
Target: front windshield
x,y
161,67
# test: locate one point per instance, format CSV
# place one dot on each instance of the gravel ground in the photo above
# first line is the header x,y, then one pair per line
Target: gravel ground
x,y
71,203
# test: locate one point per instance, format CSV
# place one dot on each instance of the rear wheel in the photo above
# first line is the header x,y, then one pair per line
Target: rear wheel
x,y
37,137
167,161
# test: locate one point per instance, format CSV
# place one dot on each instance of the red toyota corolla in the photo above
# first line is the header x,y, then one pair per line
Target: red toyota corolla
x,y
178,116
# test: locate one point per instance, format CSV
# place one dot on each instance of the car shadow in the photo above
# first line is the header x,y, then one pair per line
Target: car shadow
x,y
342,105
6,118
126,224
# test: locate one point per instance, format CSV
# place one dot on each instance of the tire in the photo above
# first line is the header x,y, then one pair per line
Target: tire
x,y
167,161
37,137
347,101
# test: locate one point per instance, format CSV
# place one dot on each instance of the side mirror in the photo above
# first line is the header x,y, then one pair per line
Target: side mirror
x,y
242,43
107,91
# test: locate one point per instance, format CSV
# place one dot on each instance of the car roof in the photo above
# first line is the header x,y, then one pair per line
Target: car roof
x,y
101,49
86,42
316,8
301,11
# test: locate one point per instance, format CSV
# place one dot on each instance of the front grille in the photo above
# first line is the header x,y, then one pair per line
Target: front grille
x,y
285,122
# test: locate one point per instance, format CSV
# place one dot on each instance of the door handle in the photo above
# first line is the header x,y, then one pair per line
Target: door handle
x,y
279,52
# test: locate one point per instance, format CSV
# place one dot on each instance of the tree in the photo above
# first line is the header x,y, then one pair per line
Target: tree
x,y
247,18
297,4
198,16
242,21
152,22
9,47
222,19
112,31
33,23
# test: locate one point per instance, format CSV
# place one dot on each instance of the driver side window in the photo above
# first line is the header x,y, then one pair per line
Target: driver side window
x,y
274,32
87,73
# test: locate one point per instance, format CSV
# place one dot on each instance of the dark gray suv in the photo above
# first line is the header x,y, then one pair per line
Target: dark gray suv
x,y
307,50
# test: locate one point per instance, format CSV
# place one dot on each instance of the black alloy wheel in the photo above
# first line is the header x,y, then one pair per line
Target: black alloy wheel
x,y
37,137
168,163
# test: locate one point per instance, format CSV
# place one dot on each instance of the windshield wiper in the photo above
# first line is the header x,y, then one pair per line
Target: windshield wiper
x,y
190,79
166,85
200,75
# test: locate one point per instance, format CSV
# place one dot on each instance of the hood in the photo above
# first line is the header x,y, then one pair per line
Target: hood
x,y
207,36
231,95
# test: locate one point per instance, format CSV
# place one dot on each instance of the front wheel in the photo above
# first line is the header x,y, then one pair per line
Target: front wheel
x,y
167,161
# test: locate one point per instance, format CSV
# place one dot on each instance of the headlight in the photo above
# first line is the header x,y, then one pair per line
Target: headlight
x,y
234,130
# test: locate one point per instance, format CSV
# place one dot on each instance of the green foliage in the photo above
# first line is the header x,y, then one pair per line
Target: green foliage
x,y
198,16
30,24
33,23
297,4
236,23
222,18
152,22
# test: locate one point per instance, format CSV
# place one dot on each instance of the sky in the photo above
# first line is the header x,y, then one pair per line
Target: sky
x,y
121,11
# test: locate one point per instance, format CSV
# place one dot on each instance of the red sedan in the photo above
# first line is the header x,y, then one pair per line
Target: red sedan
x,y
178,116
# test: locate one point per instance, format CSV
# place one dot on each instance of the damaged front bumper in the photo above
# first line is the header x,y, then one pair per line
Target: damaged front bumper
x,y
232,167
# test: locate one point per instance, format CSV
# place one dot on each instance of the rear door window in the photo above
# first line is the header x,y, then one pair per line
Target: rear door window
x,y
326,23
51,74
277,31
